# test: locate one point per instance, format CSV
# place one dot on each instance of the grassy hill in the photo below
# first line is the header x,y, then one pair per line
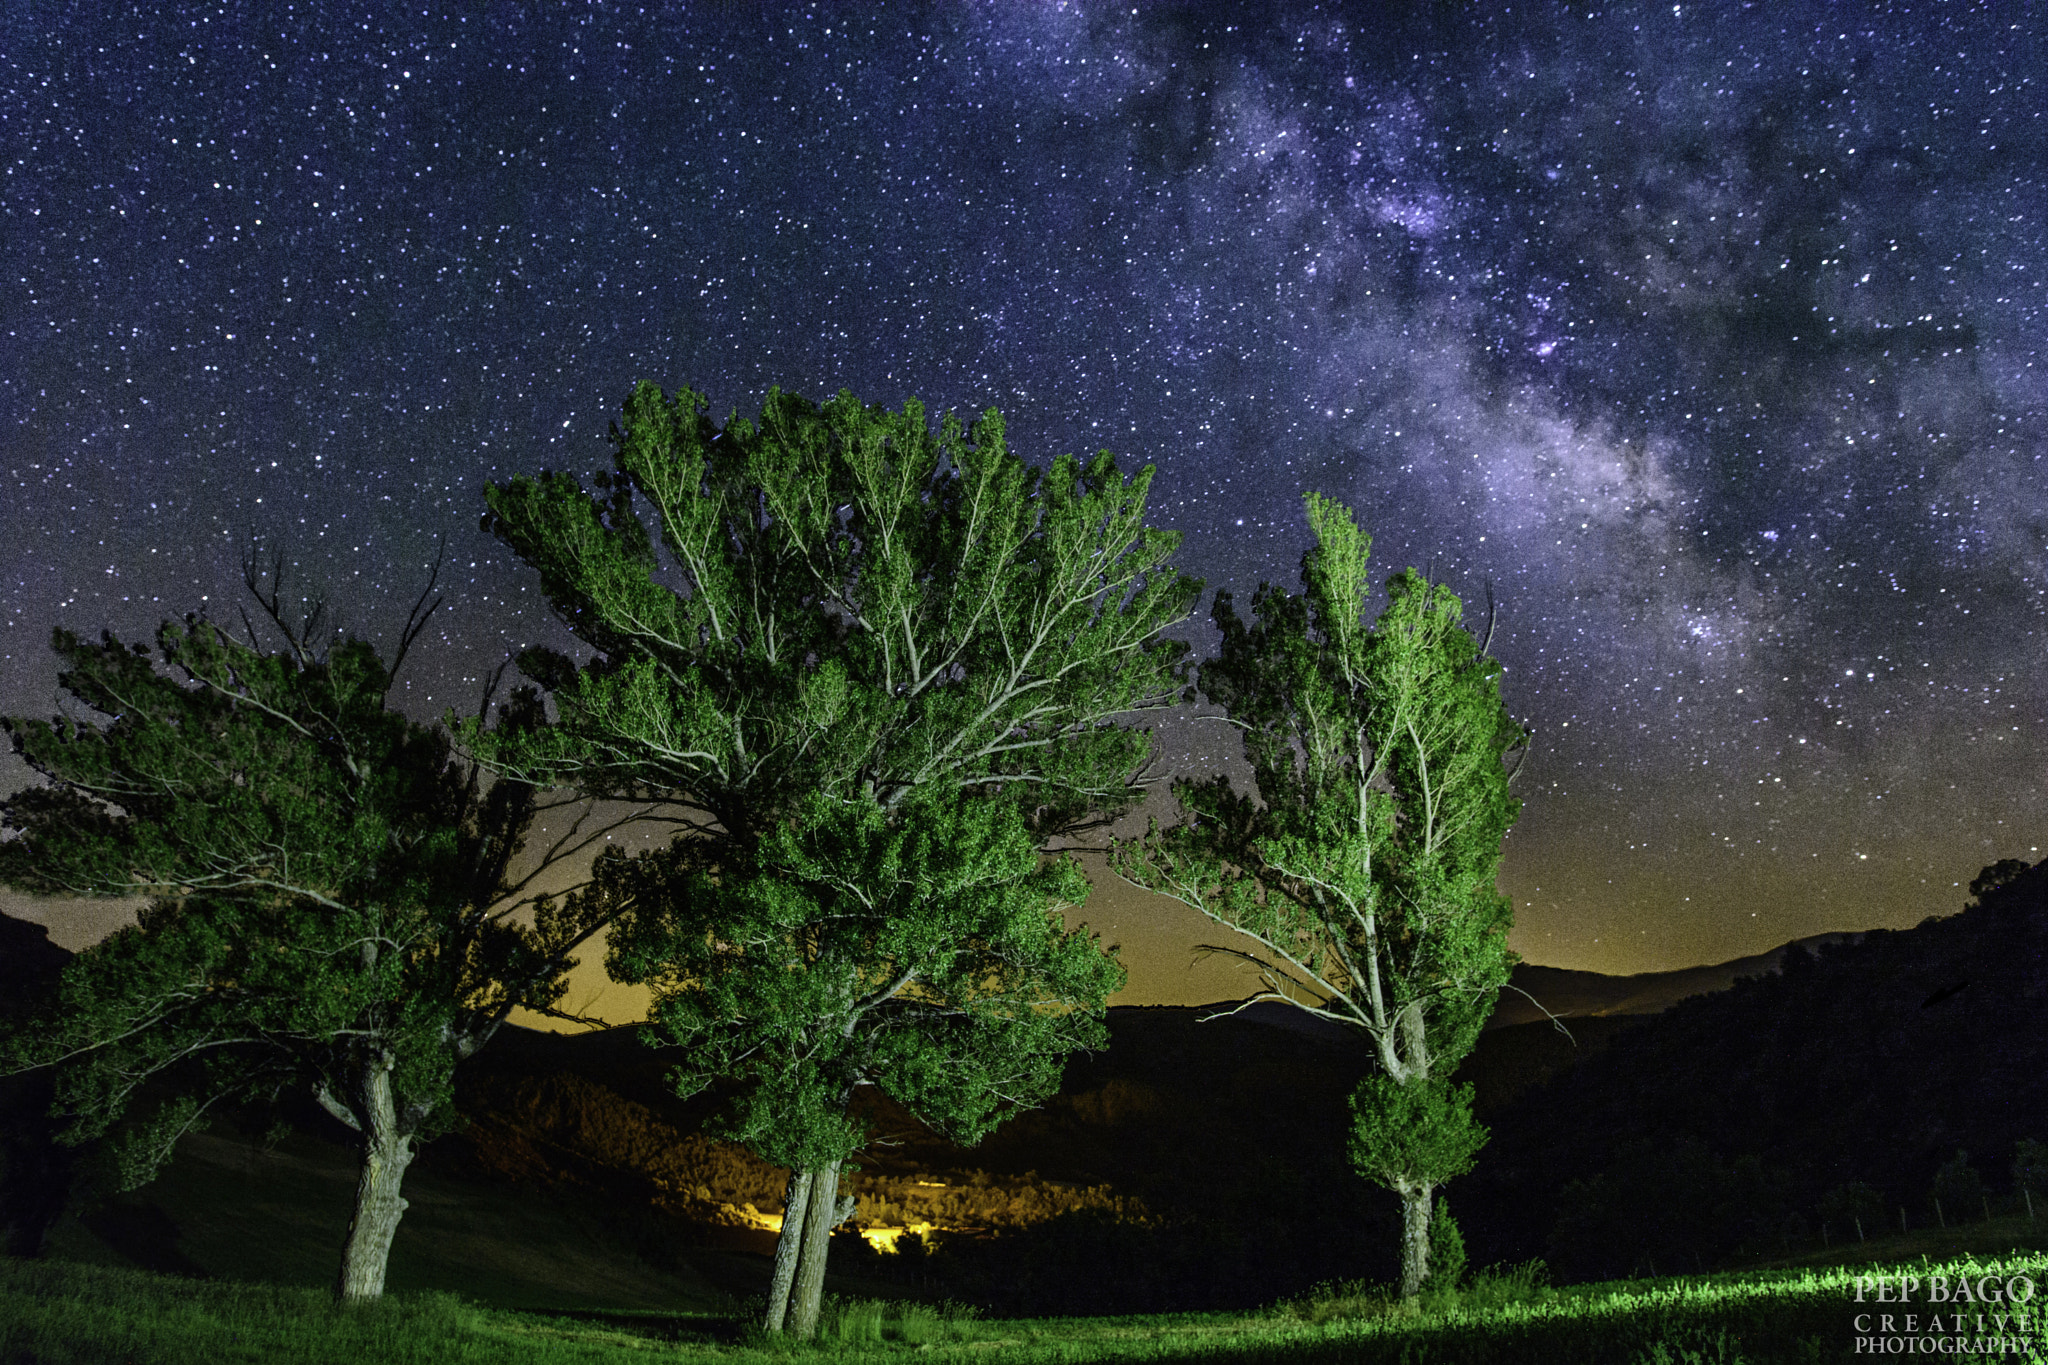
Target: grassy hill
x,y
54,1313
228,1210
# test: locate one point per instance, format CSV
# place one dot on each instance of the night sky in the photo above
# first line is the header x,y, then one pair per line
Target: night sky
x,y
1712,340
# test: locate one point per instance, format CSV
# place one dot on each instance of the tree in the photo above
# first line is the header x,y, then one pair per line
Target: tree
x,y
1853,1204
929,960
1363,868
1958,1188
1446,1250
332,903
1412,1138
882,667
1996,877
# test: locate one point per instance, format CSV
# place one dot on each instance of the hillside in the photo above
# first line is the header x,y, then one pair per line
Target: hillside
x,y
34,1171
1725,1123
1188,1163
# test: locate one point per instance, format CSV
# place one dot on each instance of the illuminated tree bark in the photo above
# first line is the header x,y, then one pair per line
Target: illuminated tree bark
x,y
807,1297
386,1152
788,1243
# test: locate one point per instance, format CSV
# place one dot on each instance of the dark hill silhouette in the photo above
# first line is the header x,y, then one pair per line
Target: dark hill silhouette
x,y
1569,994
35,1173
1722,1124
29,964
1187,1164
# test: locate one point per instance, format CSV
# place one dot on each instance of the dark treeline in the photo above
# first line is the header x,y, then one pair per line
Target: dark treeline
x,y
35,1170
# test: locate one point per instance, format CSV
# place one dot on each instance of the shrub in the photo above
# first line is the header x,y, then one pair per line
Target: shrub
x,y
1446,1250
1959,1188
863,1322
1699,1348
1337,1300
2030,1166
1854,1207
1498,1287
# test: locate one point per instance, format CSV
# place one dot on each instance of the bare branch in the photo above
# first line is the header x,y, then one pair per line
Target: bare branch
x,y
1556,1022
422,610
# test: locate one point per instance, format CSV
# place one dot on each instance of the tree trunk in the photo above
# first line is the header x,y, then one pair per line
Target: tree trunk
x,y
808,1297
1416,1198
794,1203
386,1152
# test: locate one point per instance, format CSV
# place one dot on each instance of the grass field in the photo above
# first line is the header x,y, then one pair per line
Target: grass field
x,y
65,1313
231,1209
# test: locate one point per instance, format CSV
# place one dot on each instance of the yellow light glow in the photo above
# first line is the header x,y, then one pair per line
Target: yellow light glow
x,y
884,1239
754,1218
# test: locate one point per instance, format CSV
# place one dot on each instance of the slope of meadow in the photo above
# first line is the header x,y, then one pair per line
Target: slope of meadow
x,y
52,1313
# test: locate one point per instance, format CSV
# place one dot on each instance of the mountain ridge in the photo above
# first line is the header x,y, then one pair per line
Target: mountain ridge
x,y
1539,992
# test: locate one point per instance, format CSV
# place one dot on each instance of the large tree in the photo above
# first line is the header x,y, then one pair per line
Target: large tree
x,y
881,666
332,902
918,949
1362,868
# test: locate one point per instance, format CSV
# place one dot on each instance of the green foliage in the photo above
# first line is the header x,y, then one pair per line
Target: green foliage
x,y
1506,1286
1699,1347
323,873
1338,1300
252,773
871,1322
141,1151
920,950
871,670
851,603
1446,1250
1423,1131
1364,867
1492,1290
59,1314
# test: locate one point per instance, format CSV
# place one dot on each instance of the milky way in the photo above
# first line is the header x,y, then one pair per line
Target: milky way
x,y
1707,341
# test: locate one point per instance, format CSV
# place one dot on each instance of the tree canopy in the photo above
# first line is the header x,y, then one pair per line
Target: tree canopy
x,y
880,666
851,601
928,967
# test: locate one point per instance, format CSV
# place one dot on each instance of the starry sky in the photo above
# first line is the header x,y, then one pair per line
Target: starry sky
x,y
1708,337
